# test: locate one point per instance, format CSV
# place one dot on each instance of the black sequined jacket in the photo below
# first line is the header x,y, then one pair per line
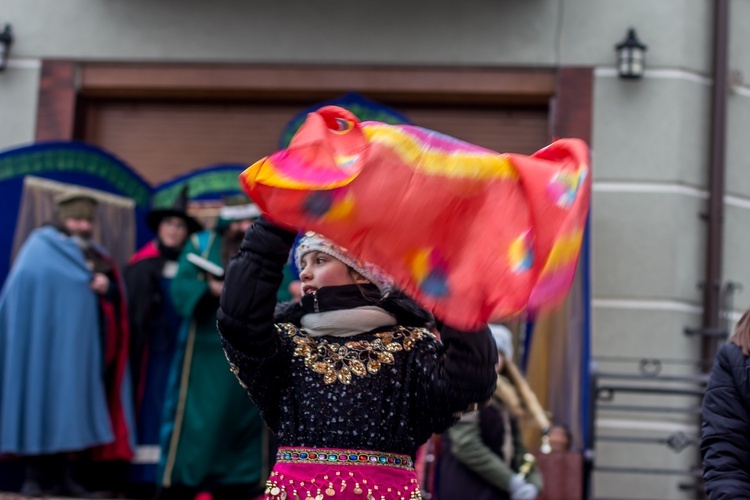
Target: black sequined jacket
x,y
386,390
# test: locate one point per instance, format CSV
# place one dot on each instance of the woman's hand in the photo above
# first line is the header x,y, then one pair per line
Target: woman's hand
x,y
215,286
100,283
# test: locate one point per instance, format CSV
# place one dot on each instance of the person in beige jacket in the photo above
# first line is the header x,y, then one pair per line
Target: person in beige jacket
x,y
483,456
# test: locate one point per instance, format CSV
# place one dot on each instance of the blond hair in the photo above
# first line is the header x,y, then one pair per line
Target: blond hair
x,y
741,336
514,391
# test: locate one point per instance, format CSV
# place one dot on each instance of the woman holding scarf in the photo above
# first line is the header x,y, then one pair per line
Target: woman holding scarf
x,y
349,379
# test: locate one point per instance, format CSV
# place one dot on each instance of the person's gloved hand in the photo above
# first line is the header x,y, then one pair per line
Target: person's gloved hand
x,y
263,225
522,490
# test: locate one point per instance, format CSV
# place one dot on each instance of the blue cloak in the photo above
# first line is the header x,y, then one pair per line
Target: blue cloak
x,y
52,393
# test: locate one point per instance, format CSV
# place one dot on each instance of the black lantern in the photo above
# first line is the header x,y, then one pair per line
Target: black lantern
x,y
631,55
6,39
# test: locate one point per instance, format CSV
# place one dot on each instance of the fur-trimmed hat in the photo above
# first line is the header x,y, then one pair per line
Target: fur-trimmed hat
x,y
314,242
503,340
238,207
75,204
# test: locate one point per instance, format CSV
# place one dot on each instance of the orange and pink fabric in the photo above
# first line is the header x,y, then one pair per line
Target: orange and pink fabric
x,y
473,235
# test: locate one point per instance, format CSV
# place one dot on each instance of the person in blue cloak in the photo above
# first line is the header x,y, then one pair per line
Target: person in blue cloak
x,y
63,353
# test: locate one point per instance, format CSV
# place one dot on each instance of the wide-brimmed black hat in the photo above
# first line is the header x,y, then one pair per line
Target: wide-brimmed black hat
x,y
178,209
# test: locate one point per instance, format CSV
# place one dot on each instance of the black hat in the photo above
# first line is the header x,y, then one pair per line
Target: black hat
x,y
179,209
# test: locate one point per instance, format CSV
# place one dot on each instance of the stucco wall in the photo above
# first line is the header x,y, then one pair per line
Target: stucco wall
x,y
483,32
18,99
469,32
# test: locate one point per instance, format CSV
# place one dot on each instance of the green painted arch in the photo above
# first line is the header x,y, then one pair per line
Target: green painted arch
x,y
71,158
204,184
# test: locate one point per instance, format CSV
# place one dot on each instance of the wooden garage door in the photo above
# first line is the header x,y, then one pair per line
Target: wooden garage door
x,y
162,140
502,129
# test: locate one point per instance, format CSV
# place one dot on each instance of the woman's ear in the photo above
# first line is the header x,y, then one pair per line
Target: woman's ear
x,y
358,278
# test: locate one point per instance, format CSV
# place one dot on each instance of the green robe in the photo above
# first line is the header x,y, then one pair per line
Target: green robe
x,y
212,433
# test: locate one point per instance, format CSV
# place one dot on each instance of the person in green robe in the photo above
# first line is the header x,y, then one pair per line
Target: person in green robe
x,y
213,438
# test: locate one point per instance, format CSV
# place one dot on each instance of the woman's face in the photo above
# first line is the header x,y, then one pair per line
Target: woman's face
x,y
500,363
172,232
319,269
78,226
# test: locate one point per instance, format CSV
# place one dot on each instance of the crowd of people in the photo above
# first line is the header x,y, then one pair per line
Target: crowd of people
x,y
137,386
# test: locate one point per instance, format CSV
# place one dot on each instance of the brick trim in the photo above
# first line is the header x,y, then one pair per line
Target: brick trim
x,y
57,101
572,110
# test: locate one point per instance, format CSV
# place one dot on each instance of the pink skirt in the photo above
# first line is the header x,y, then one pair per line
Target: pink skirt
x,y
317,474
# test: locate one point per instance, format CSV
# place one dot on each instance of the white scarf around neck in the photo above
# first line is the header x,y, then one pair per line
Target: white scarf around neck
x,y
346,322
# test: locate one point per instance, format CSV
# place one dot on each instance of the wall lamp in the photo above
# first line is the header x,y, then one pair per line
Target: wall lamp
x,y
6,39
631,56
